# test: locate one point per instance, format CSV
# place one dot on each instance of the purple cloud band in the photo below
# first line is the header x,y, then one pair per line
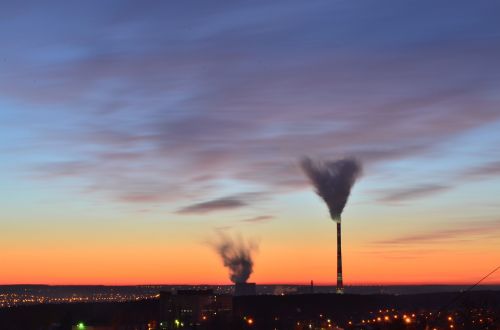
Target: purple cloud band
x,y
227,93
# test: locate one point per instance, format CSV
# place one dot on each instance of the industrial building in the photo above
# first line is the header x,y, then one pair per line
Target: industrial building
x,y
245,289
193,308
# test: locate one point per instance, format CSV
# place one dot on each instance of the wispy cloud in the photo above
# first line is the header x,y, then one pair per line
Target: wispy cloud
x,y
220,204
396,252
414,192
456,232
73,168
239,97
486,170
259,219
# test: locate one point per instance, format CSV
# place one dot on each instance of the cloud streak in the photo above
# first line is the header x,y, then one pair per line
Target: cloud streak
x,y
472,230
220,204
491,169
410,193
259,219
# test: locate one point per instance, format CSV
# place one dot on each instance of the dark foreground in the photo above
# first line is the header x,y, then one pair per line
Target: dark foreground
x,y
474,310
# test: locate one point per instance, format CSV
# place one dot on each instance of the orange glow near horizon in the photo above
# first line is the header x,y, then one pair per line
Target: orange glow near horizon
x,y
111,265
132,137
295,248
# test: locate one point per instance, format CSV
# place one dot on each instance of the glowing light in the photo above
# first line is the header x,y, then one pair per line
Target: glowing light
x,y
81,325
408,320
250,321
386,318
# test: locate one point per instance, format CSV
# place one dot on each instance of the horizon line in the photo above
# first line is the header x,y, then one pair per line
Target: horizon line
x,y
260,284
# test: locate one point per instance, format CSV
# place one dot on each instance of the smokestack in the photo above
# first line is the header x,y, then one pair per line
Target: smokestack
x,y
340,281
333,181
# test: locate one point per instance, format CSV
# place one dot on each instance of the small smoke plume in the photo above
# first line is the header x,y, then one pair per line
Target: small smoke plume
x,y
333,181
236,255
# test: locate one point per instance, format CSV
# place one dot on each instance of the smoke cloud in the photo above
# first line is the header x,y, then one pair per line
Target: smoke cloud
x,y
236,255
333,181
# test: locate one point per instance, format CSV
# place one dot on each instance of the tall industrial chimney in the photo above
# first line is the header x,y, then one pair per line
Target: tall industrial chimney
x,y
340,284
333,182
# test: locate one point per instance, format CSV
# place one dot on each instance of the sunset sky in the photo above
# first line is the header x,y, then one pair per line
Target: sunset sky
x,y
132,132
